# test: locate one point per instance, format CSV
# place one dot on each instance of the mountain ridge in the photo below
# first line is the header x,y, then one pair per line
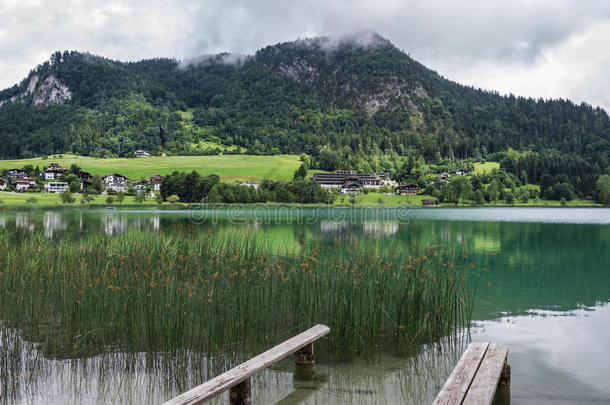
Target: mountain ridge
x,y
352,102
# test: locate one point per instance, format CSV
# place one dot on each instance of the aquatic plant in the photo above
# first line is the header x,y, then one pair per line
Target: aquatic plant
x,y
225,295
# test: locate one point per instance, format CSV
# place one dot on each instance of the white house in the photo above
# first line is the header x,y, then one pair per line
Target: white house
x,y
250,184
140,188
53,171
142,154
56,187
22,185
156,181
115,182
3,185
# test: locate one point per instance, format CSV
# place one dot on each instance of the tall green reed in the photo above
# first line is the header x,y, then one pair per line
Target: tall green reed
x,y
225,295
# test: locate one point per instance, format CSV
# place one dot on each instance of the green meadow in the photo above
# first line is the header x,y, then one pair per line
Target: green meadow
x,y
228,167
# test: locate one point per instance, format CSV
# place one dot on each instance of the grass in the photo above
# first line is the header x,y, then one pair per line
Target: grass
x,y
486,167
43,199
380,199
228,167
225,296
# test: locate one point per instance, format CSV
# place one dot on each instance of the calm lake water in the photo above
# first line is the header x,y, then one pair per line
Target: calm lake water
x,y
544,291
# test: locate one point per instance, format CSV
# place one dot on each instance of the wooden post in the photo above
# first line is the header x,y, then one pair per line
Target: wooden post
x,y
304,357
304,364
505,377
240,394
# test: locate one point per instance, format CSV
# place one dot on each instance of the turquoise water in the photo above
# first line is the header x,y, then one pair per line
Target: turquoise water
x,y
544,290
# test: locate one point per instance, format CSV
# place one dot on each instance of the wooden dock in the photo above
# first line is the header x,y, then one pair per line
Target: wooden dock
x,y
237,380
475,378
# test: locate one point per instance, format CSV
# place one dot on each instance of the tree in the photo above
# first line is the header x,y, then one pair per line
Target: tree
x,y
97,184
173,199
494,190
67,198
120,196
87,198
140,198
509,198
158,198
603,188
301,172
109,200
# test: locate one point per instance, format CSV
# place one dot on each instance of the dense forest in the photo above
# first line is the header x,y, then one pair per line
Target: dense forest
x,y
344,104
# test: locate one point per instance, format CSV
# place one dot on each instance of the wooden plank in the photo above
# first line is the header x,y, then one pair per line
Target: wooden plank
x,y
456,386
483,387
223,382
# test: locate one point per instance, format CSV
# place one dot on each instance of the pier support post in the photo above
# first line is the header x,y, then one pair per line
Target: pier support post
x,y
505,377
240,394
304,357
304,363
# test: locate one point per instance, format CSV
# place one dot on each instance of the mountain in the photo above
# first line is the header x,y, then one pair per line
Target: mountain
x,y
355,97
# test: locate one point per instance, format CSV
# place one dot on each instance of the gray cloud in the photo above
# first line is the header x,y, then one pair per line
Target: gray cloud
x,y
548,48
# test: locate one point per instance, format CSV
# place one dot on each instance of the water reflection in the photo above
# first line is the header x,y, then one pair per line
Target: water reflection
x,y
556,357
542,279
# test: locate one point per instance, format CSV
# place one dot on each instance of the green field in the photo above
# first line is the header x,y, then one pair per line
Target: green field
x,y
380,199
46,200
228,167
485,167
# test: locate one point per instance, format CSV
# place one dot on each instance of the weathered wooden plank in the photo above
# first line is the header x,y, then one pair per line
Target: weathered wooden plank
x,y
456,386
225,381
483,387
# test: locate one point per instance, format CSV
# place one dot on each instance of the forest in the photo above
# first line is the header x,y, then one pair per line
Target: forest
x,y
369,109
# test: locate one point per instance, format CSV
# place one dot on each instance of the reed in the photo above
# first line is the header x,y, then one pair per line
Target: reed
x,y
223,295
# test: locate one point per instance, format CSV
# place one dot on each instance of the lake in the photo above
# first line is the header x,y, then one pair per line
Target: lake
x,y
540,278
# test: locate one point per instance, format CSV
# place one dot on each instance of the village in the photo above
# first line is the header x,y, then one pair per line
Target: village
x,y
55,179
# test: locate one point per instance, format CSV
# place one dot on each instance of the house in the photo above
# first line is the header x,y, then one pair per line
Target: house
x,y
140,188
53,171
156,181
115,182
407,189
3,185
22,185
460,173
351,185
337,179
56,187
31,181
428,203
445,176
142,154
16,174
250,184
83,175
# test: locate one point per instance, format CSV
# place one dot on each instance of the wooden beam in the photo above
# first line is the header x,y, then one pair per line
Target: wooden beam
x,y
231,378
483,387
456,386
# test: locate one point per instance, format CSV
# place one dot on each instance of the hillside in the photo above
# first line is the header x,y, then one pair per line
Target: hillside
x,y
228,168
346,103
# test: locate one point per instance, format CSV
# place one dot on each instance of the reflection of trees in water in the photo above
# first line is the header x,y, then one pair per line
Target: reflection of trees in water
x,y
126,378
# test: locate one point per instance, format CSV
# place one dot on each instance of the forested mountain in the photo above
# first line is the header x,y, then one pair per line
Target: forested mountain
x,y
343,102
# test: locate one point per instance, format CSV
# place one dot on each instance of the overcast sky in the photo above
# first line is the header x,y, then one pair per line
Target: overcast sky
x,y
538,48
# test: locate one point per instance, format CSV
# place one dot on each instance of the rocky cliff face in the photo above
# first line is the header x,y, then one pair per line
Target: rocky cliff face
x,y
50,91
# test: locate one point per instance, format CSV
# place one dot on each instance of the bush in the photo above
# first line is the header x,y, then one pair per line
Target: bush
x,y
31,200
173,199
67,198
